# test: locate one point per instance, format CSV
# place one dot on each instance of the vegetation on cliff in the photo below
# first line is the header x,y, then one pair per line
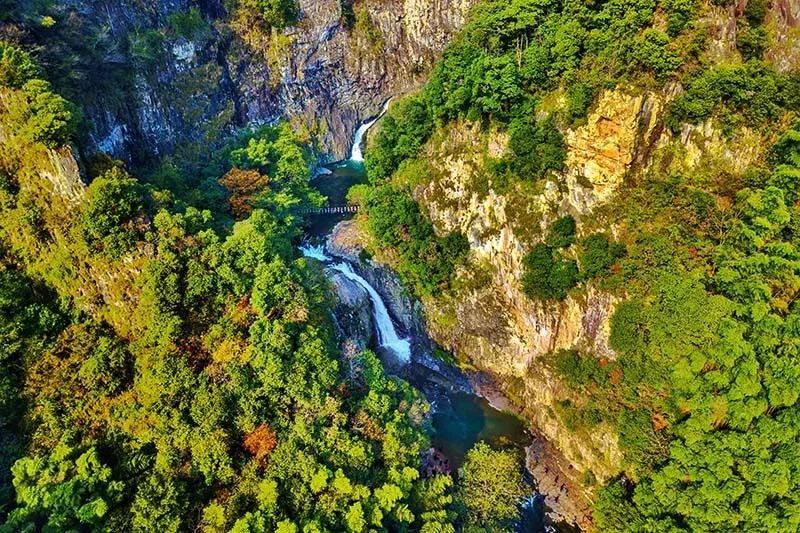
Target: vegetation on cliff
x,y
173,366
700,395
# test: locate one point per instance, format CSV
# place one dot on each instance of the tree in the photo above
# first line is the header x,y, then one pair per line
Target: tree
x,y
275,13
490,487
597,254
112,202
51,120
547,278
17,67
244,186
69,488
260,442
561,233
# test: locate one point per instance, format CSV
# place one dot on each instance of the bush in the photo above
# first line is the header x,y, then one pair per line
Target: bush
x,y
577,369
51,119
561,233
751,41
275,13
402,132
112,202
755,11
537,147
651,51
579,98
546,278
754,91
189,24
598,254
679,13
628,328
427,261
146,47
17,67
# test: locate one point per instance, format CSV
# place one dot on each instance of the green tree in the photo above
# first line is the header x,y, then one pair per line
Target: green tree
x,y
69,488
545,277
51,120
490,487
17,67
106,219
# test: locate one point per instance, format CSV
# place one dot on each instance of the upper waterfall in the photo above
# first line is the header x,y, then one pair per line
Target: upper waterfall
x,y
356,154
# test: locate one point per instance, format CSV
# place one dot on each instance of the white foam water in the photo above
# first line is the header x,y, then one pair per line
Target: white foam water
x,y
356,155
387,334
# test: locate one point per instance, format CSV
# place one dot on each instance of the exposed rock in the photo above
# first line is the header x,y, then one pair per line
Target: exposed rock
x,y
783,19
346,241
557,481
601,152
490,322
323,76
353,311
64,174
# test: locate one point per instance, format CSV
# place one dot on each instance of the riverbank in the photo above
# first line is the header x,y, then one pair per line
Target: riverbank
x,y
467,406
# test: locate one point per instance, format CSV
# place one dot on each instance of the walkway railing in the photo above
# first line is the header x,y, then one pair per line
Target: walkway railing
x,y
332,210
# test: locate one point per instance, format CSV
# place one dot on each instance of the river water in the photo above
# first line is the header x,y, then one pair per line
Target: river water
x,y
459,420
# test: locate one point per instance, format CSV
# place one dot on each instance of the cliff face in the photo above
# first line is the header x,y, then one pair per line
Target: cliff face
x,y
488,321
325,75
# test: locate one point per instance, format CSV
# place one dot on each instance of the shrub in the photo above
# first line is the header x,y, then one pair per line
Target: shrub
x,y
679,13
561,232
753,90
755,11
651,51
537,147
51,119
189,24
628,328
598,254
579,98
275,13
112,202
145,47
751,41
402,132
577,369
17,67
546,278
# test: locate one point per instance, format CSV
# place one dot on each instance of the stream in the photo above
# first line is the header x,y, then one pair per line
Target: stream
x,y
460,418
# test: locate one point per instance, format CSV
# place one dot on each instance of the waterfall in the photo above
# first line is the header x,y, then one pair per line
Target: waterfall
x,y
387,334
355,153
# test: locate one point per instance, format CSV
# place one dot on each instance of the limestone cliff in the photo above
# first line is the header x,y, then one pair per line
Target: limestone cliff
x,y
48,190
323,74
488,321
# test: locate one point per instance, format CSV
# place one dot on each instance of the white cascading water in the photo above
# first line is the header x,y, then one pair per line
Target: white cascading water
x,y
387,334
355,153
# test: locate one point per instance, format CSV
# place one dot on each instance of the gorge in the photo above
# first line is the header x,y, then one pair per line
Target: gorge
x,y
399,265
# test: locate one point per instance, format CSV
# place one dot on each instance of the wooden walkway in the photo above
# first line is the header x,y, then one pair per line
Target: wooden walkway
x,y
332,210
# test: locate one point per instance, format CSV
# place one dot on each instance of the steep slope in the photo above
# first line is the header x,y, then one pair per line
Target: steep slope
x,y
175,76
659,161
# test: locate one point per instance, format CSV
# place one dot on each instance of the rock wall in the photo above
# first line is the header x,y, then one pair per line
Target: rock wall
x,y
489,322
321,74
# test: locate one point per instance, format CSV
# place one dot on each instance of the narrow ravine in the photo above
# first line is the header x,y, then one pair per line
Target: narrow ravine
x,y
387,334
459,417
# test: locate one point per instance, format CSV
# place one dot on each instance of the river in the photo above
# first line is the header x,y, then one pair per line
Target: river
x,y
459,419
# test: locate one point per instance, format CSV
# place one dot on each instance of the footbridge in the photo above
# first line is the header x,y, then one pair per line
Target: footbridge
x,y
332,210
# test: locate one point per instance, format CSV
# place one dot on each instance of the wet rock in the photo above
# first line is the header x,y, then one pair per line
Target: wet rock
x,y
353,312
